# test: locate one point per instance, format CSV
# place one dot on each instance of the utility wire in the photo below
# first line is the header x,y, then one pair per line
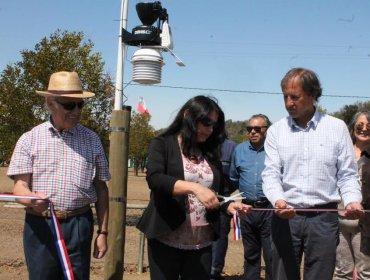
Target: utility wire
x,y
246,91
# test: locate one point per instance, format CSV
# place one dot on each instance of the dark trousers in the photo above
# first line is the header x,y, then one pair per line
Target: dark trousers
x,y
315,235
168,263
40,251
255,229
219,247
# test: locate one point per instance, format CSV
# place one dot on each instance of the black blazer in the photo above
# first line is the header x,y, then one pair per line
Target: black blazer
x,y
166,212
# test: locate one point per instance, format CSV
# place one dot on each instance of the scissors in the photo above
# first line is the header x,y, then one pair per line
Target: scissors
x,y
226,199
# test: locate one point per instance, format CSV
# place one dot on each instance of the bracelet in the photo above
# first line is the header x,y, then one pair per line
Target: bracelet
x,y
104,232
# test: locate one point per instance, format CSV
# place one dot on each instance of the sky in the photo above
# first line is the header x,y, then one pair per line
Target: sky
x,y
236,51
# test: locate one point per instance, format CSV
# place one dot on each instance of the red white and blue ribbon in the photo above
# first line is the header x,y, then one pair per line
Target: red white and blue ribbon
x,y
236,226
61,246
58,235
307,209
12,197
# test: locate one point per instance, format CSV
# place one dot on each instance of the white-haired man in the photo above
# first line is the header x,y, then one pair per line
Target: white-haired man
x,y
63,162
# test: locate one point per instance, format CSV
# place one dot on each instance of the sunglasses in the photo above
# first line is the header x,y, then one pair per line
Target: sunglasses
x,y
256,128
361,126
208,122
70,106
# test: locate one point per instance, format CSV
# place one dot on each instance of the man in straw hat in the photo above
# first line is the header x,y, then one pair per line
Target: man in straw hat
x,y
63,162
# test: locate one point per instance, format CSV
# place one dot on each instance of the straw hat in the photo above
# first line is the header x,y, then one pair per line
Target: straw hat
x,y
65,84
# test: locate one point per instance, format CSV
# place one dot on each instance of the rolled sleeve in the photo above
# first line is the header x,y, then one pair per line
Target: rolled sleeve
x,y
21,161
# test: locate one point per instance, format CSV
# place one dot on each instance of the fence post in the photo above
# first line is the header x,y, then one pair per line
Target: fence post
x,y
140,260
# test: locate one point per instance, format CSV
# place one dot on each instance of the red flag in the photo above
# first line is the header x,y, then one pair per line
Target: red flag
x,y
141,107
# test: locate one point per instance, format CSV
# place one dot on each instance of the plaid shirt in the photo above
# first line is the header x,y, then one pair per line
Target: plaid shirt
x,y
62,165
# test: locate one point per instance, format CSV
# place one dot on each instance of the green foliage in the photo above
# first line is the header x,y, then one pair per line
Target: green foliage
x,y
21,108
141,133
236,130
321,109
347,112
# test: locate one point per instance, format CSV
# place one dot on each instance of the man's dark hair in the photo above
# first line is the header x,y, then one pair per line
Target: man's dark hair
x,y
309,81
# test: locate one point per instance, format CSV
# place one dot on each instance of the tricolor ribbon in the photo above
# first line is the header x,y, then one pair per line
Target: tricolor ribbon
x,y
236,226
61,246
57,231
306,209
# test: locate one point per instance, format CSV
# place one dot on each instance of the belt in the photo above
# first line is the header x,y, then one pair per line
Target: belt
x,y
330,205
61,214
257,203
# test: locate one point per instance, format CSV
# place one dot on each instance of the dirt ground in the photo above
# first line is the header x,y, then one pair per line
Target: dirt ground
x,y
12,263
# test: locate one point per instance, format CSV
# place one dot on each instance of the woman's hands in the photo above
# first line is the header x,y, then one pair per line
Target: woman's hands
x,y
241,208
207,197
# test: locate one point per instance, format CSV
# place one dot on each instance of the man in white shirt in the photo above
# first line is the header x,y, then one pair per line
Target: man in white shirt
x,y
309,163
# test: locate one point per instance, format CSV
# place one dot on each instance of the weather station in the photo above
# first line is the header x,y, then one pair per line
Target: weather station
x,y
147,63
152,41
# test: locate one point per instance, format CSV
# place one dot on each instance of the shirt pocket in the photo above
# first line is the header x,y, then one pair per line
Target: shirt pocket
x,y
85,173
326,154
44,164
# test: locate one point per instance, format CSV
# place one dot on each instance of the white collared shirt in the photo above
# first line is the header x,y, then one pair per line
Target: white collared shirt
x,y
311,166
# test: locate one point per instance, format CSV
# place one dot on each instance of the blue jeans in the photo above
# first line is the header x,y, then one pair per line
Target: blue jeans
x,y
40,252
256,233
219,247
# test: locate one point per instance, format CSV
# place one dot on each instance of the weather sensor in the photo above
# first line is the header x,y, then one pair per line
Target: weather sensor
x,y
152,41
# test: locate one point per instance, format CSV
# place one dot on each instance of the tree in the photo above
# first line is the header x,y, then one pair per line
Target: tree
x,y
21,108
141,133
236,130
321,109
347,112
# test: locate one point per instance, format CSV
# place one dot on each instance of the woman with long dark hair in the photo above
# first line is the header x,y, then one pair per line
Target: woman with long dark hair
x,y
184,174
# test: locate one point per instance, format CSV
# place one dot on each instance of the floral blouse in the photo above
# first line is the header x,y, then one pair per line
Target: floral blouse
x,y
195,232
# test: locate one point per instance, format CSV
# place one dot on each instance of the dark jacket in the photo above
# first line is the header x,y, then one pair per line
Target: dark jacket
x,y
166,212
365,187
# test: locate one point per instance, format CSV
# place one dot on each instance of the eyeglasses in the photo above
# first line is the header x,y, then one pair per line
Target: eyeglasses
x,y
256,128
70,106
208,122
360,126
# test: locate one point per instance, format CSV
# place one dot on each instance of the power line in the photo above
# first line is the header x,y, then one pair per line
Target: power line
x,y
245,91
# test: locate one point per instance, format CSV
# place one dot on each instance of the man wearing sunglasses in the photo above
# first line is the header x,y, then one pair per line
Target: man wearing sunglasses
x,y
63,162
245,172
310,163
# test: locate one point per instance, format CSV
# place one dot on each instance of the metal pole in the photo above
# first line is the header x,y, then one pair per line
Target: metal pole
x,y
120,57
118,166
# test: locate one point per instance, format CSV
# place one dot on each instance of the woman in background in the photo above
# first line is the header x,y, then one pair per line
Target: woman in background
x,y
353,251
184,173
